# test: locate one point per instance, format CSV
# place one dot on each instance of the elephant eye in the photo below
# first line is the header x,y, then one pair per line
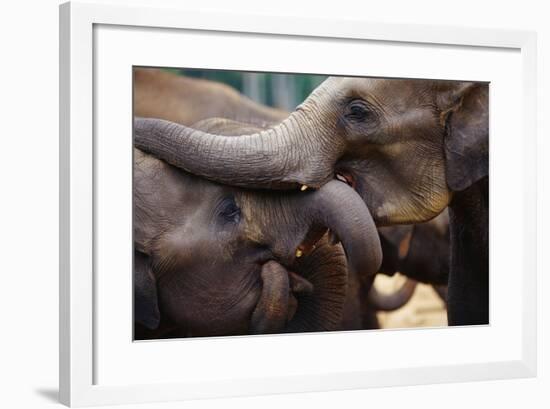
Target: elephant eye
x,y
229,211
358,110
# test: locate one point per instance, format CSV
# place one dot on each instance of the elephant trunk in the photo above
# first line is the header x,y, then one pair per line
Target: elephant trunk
x,y
286,156
394,301
322,308
338,207
271,312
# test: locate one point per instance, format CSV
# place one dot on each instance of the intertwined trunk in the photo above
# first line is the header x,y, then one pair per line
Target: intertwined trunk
x,y
298,151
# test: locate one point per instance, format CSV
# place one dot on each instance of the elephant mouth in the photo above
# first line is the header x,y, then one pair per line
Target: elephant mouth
x,y
311,240
332,211
345,176
303,296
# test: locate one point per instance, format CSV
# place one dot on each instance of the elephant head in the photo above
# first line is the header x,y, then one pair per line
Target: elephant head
x,y
404,145
219,260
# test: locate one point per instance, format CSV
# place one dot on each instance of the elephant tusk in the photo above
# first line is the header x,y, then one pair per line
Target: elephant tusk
x,y
303,188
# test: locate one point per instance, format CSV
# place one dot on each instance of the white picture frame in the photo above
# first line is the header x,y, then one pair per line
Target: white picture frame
x,y
79,385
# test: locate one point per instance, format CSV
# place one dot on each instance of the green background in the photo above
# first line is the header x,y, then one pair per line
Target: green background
x,y
284,91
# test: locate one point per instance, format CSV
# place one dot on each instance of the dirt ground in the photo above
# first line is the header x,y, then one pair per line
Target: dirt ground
x,y
424,309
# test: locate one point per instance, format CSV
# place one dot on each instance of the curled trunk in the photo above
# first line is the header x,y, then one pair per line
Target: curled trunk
x,y
393,301
309,298
271,312
338,207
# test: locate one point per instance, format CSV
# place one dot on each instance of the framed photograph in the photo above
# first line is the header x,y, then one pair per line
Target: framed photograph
x,y
236,223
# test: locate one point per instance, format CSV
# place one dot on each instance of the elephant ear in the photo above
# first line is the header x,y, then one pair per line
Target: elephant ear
x,y
467,135
146,309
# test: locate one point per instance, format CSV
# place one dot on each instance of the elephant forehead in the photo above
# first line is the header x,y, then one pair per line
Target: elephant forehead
x,y
414,121
386,91
169,192
271,218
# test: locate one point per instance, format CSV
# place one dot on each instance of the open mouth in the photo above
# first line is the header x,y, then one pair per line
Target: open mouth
x,y
346,177
310,241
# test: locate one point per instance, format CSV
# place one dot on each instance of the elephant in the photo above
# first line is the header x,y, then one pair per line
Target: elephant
x,y
410,148
212,259
420,252
198,103
162,94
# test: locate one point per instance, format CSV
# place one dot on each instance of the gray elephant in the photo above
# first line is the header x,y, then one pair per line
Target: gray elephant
x,y
205,105
218,260
410,148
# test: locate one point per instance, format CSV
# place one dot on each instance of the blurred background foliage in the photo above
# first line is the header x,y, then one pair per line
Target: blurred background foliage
x,y
284,91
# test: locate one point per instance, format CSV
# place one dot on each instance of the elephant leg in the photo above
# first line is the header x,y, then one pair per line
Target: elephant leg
x,y
468,291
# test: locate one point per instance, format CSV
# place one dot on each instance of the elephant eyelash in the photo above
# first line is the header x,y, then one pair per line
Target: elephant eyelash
x,y
229,212
358,110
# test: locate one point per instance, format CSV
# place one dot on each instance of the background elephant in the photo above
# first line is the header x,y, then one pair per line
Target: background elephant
x,y
164,95
364,301
420,252
217,260
409,147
